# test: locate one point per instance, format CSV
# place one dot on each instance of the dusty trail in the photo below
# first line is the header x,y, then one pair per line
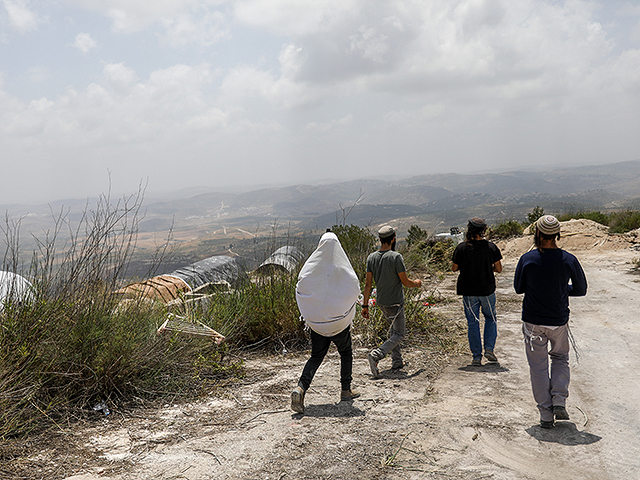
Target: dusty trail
x,y
465,423
438,418
607,379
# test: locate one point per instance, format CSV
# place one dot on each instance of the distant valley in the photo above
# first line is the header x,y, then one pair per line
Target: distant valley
x,y
213,223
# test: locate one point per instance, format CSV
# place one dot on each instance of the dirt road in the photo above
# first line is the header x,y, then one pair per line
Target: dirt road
x,y
462,422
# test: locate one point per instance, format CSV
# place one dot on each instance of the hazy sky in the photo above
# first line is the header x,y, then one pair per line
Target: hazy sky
x,y
211,92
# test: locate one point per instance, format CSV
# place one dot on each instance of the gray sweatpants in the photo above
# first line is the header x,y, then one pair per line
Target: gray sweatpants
x,y
550,386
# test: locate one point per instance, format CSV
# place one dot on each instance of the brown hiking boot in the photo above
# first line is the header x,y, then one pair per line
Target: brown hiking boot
x,y
348,395
560,412
297,400
489,355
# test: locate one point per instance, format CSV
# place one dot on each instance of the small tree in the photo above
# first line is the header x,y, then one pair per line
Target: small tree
x,y
535,214
415,234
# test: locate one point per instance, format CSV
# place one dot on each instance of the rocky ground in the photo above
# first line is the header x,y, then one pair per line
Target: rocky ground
x,y
439,418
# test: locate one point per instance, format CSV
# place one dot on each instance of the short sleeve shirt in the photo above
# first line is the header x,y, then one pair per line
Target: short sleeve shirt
x,y
476,259
385,267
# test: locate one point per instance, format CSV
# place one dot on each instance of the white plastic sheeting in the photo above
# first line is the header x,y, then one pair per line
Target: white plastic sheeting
x,y
285,258
14,288
219,268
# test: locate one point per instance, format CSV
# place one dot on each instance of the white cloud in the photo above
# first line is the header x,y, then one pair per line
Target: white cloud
x,y
368,43
635,32
84,42
183,21
295,17
342,84
212,119
21,16
249,82
334,125
130,16
119,77
205,29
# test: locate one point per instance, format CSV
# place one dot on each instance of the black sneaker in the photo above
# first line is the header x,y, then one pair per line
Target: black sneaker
x,y
560,412
476,362
373,365
545,424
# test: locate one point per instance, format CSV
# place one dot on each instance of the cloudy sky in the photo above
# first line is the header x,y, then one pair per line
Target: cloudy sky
x,y
181,93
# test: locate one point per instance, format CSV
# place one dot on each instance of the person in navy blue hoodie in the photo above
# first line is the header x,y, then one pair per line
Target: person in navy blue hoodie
x,y
548,276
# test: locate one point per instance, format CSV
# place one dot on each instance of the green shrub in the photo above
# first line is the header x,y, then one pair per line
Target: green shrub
x,y
430,255
505,229
358,243
416,255
266,312
440,254
75,345
622,222
618,222
594,215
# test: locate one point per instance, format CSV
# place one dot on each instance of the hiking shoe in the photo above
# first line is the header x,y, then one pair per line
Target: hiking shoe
x,y
297,400
399,366
476,362
373,364
489,355
545,424
560,412
348,395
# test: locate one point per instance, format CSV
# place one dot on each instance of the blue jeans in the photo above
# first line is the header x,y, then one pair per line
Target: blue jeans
x,y
472,308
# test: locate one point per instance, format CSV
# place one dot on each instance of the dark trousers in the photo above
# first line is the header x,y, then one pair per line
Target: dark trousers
x,y
319,348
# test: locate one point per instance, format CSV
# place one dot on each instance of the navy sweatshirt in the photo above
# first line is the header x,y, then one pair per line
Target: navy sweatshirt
x,y
548,277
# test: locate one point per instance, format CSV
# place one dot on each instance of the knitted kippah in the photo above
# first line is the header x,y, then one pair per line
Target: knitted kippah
x,y
548,225
386,231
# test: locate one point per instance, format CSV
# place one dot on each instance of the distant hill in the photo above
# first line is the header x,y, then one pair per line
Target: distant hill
x,y
434,202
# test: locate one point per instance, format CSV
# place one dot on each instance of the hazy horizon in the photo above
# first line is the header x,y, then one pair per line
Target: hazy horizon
x,y
189,93
189,192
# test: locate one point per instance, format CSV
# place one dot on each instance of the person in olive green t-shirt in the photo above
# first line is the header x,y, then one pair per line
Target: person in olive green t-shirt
x,y
386,268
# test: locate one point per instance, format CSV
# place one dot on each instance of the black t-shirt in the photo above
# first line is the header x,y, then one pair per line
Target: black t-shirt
x,y
476,259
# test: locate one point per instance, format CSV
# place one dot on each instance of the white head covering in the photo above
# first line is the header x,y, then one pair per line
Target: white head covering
x,y
328,288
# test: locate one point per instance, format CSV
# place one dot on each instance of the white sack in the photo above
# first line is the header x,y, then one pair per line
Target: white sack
x,y
328,288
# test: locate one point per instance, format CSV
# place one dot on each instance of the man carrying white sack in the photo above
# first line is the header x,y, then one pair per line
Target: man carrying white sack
x,y
327,292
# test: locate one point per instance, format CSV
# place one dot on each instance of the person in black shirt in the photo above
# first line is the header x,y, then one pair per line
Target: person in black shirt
x,y
477,259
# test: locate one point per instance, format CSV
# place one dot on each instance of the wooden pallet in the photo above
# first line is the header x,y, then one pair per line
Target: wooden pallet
x,y
177,324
